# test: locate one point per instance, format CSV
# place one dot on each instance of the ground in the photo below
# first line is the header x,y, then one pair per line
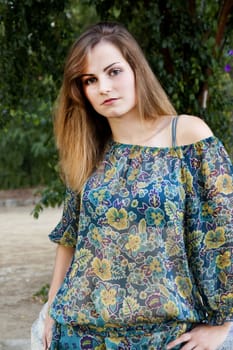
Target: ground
x,y
26,263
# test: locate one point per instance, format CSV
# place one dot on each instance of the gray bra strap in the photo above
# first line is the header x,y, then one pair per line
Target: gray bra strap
x,y
174,125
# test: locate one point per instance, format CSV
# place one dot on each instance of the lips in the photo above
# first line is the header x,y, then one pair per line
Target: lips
x,y
109,101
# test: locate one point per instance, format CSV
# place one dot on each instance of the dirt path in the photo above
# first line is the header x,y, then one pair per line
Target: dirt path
x,y
26,262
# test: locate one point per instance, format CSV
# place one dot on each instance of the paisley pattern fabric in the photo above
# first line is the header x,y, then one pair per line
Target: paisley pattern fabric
x,y
153,237
66,337
130,338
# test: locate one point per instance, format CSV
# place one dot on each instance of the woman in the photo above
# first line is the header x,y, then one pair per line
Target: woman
x,y
144,256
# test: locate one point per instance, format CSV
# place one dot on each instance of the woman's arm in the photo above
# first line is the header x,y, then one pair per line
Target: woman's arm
x,y
63,259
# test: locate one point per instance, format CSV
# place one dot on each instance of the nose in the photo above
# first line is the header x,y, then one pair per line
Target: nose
x,y
104,85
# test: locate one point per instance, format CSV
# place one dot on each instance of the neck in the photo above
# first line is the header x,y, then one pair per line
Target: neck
x,y
132,130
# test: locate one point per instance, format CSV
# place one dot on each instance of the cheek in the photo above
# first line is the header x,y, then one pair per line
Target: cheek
x,y
129,84
131,88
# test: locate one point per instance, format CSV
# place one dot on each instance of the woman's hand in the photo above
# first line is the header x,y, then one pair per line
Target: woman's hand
x,y
202,337
47,336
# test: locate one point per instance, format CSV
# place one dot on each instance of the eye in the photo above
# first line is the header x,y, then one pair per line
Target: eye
x,y
114,71
89,81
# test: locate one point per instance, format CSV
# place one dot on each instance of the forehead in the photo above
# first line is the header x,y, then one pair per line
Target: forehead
x,y
102,55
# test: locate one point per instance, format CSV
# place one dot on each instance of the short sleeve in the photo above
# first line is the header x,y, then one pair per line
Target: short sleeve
x,y
210,229
66,231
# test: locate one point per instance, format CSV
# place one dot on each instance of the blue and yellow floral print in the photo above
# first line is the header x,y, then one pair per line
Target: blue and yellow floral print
x,y
153,232
66,337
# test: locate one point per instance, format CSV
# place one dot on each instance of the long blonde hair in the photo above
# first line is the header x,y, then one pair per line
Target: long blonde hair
x,y
81,133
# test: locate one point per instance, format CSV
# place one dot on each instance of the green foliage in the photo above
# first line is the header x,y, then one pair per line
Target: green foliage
x,y
31,49
28,138
50,196
42,295
30,73
34,39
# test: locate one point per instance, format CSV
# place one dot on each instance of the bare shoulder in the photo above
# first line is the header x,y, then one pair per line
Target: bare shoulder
x,y
191,129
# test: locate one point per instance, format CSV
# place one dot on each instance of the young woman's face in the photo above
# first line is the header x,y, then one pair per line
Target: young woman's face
x,y
109,82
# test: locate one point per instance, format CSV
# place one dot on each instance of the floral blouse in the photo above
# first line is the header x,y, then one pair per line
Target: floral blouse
x,y
153,237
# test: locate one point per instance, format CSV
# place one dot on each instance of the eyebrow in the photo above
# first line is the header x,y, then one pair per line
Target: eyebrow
x,y
104,70
110,66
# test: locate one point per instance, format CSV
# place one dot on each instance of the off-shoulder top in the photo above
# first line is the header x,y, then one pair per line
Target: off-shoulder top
x,y
153,237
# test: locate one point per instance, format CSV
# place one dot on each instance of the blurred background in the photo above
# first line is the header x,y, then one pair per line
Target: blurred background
x,y
189,45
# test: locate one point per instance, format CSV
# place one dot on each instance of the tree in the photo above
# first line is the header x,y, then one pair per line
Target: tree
x,y
34,39
35,36
30,69
30,50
